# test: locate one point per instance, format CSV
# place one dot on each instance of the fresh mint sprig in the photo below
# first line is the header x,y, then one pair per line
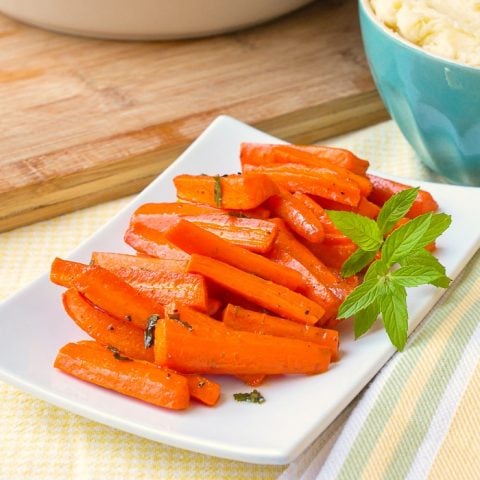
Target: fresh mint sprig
x,y
401,262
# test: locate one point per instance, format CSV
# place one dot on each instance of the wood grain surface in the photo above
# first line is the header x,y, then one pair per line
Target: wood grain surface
x,y
83,121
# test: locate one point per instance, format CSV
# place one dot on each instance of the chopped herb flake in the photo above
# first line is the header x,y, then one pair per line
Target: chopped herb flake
x,y
217,191
117,355
149,335
176,317
253,397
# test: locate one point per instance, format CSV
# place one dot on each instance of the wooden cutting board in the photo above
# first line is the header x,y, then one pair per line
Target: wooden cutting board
x,y
83,121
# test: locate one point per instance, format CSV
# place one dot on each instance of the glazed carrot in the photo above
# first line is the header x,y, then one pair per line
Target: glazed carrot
x,y
251,233
296,215
288,154
383,189
333,255
322,182
189,341
141,380
365,207
269,295
239,318
105,329
331,232
252,380
238,192
63,272
152,242
258,153
112,294
115,261
193,239
202,389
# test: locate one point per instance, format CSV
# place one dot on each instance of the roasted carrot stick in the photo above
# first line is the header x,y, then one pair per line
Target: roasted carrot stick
x,y
258,153
251,233
105,329
365,207
239,318
238,192
288,154
202,389
193,239
63,272
112,294
322,182
383,189
333,255
296,215
135,378
115,261
189,341
274,297
152,242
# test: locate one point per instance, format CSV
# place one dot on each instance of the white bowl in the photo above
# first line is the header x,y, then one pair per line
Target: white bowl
x,y
146,19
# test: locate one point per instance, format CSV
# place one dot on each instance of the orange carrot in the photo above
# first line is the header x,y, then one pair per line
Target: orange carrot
x,y
192,239
115,261
383,189
202,389
238,192
189,341
297,216
152,242
112,294
251,233
322,182
274,297
333,255
364,207
257,153
239,318
252,380
141,380
63,272
105,329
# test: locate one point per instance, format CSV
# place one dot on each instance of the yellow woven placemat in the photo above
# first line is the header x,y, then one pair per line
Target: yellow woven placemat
x,y
40,441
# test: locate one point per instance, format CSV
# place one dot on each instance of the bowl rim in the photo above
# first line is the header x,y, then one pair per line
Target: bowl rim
x,y
367,9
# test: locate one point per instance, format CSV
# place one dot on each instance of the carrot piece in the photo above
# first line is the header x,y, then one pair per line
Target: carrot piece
x,y
331,232
322,182
238,192
288,154
239,318
63,272
269,295
194,239
252,380
105,329
141,380
191,342
258,153
334,255
112,294
202,389
251,233
115,261
297,216
383,189
365,207
152,242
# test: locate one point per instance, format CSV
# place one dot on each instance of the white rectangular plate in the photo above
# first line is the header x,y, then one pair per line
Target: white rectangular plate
x,y
33,326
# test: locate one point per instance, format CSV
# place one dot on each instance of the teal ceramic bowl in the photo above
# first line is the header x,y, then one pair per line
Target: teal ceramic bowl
x,y
434,101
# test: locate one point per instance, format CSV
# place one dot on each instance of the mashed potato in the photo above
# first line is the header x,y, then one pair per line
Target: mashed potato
x,y
448,28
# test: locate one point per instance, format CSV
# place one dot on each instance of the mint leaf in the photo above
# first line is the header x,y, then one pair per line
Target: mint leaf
x,y
377,270
405,239
415,275
360,298
393,307
396,208
364,319
363,231
438,224
356,262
